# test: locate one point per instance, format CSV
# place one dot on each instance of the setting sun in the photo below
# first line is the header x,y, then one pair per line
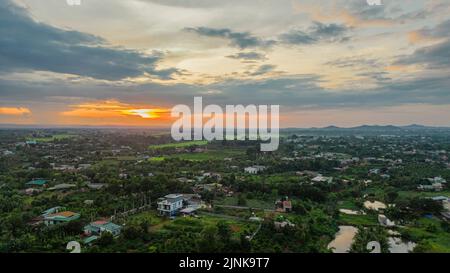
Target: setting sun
x,y
114,112
145,113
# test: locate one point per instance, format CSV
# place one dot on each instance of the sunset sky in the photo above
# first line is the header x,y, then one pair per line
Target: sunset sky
x,y
117,62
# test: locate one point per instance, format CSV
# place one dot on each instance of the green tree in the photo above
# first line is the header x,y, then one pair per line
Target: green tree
x,y
241,200
224,231
105,239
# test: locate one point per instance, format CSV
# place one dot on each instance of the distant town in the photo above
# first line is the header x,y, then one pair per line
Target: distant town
x,y
328,190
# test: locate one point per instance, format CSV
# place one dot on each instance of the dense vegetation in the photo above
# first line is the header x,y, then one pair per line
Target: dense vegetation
x,y
138,167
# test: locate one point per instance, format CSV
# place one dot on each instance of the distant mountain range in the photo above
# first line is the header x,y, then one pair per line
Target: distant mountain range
x,y
378,128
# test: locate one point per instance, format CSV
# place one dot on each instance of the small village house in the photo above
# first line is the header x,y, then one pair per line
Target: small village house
x,y
170,205
97,228
37,183
254,169
284,205
58,215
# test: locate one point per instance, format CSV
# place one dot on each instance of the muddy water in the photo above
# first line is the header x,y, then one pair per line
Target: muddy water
x,y
343,239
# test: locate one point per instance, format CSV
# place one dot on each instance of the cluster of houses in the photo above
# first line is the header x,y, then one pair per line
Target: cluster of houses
x,y
5,152
282,222
38,185
91,232
213,187
437,184
445,204
316,177
254,169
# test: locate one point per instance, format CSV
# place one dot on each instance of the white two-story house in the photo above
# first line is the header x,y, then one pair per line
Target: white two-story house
x,y
170,205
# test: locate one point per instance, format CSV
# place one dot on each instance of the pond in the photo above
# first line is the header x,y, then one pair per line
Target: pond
x,y
343,239
396,245
375,205
351,212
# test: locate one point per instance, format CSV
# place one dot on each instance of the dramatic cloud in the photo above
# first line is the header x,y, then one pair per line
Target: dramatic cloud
x,y
318,32
441,30
190,3
367,12
65,64
263,69
26,45
305,91
241,40
434,56
248,56
354,61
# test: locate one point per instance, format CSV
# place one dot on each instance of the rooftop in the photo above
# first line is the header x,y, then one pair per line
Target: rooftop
x,y
37,182
66,214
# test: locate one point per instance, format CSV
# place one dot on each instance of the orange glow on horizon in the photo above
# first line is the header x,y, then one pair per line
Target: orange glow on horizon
x,y
114,112
145,113
14,111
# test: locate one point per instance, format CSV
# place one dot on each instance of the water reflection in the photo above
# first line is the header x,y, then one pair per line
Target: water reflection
x,y
343,239
396,245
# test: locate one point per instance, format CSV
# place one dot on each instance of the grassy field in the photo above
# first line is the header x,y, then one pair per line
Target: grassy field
x,y
183,144
121,158
198,224
355,220
150,217
412,194
429,230
253,203
347,204
209,155
157,159
111,162
161,224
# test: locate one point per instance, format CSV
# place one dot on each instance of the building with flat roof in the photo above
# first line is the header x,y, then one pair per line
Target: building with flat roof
x,y
170,205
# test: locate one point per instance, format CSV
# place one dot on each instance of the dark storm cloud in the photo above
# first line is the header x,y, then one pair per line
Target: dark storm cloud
x,y
241,40
318,32
27,45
